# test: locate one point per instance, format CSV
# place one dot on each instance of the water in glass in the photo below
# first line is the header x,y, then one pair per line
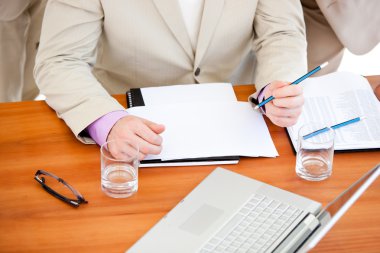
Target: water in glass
x,y
119,180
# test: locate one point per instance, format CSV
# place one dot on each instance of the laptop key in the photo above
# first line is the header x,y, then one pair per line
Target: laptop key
x,y
229,226
255,226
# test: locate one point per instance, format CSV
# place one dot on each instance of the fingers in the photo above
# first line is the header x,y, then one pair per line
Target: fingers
x,y
274,86
137,130
147,134
283,89
125,150
289,102
149,141
287,91
283,121
157,128
281,116
147,148
283,112
285,109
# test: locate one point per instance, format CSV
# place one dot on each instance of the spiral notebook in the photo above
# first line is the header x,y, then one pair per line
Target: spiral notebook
x,y
176,94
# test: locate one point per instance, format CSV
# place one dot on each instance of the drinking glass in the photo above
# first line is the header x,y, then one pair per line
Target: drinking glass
x,y
315,152
119,171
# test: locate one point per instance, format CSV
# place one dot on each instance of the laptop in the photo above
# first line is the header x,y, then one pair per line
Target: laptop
x,y
228,212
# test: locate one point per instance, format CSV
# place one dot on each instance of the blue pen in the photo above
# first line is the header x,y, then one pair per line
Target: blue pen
x,y
342,124
295,82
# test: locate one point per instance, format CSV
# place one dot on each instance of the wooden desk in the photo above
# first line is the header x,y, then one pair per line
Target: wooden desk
x,y
32,137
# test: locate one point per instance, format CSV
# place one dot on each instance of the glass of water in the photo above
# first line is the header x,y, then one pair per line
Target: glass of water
x,y
315,152
119,171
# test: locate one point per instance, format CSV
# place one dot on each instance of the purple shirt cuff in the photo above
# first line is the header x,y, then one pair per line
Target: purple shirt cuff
x,y
260,98
100,128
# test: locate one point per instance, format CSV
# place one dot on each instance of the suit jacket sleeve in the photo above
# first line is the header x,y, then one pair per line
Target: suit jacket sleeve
x,y
279,42
70,33
355,22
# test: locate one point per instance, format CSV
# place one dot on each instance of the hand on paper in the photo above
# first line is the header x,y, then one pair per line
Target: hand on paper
x,y
285,109
138,130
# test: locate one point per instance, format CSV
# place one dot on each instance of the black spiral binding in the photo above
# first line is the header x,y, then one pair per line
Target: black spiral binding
x,y
134,98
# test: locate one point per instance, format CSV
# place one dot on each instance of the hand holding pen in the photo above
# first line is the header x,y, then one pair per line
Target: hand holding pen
x,y
293,83
286,108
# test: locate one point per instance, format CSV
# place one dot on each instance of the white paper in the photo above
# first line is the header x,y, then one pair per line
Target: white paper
x,y
188,93
187,163
209,129
335,98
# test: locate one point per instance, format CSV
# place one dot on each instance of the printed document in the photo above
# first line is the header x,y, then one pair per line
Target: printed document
x,y
335,98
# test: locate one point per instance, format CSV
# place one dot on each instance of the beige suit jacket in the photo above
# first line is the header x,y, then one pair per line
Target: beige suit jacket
x,y
92,48
332,25
355,22
20,26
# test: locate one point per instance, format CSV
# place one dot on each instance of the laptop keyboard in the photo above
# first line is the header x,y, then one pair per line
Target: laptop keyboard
x,y
254,228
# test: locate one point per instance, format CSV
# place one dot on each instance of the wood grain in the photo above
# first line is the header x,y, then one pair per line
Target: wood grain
x,y
32,137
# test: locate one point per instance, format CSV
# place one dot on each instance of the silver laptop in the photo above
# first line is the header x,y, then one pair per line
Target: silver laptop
x,y
228,212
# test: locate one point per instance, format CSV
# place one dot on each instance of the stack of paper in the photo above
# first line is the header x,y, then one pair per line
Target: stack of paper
x,y
211,123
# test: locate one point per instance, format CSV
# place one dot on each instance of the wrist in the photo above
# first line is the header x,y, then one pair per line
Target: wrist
x,y
100,128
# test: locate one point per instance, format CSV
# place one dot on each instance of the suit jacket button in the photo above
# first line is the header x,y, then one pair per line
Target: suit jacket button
x,y
197,71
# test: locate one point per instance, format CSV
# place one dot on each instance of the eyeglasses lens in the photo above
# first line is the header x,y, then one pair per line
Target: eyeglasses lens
x,y
58,187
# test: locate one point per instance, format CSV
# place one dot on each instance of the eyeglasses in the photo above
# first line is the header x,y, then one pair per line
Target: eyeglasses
x,y
61,188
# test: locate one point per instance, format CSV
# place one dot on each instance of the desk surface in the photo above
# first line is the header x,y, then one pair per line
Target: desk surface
x,y
32,137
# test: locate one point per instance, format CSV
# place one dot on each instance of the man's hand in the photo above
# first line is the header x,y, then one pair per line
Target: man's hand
x,y
285,109
375,84
377,91
137,130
